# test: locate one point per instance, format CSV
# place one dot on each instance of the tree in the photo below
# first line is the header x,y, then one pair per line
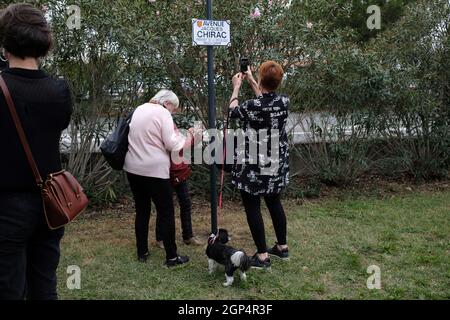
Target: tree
x,y
365,82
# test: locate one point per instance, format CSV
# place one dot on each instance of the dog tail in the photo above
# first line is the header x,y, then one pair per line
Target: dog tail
x,y
245,262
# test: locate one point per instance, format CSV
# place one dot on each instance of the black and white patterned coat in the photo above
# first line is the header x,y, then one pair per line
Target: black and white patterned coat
x,y
266,113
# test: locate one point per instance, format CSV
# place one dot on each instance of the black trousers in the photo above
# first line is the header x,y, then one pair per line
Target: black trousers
x,y
252,205
146,189
184,199
29,250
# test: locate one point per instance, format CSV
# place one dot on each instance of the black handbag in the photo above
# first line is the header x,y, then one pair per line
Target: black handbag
x,y
115,147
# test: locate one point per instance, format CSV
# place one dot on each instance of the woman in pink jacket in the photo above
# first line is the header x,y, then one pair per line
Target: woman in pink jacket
x,y
152,138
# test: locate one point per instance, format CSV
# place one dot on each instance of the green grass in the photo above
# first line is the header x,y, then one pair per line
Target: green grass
x,y
331,242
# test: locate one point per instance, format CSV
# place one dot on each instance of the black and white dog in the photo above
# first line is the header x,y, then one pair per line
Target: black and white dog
x,y
220,253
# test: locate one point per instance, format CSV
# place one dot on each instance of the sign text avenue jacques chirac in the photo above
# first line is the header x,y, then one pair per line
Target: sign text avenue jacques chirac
x,y
211,33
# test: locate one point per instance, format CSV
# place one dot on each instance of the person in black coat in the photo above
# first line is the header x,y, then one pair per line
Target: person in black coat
x,y
29,250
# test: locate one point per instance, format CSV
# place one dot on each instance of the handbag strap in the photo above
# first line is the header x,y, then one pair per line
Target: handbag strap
x,y
21,132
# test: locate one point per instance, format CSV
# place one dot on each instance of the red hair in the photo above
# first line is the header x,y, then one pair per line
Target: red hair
x,y
270,75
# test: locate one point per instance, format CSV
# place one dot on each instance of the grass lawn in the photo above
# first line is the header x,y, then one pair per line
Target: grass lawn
x,y
332,242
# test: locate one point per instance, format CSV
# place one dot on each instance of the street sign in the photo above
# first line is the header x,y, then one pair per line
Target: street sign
x,y
211,33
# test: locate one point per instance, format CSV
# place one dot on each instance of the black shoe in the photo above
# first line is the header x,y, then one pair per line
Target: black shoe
x,y
256,263
177,261
275,251
143,258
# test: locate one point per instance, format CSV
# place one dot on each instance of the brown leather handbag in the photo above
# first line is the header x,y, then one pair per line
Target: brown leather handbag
x,y
62,195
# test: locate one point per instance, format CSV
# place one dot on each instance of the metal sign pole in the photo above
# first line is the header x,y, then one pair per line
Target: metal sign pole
x,y
212,122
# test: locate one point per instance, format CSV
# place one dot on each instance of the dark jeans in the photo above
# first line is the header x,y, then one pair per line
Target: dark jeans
x,y
252,205
146,189
29,250
184,199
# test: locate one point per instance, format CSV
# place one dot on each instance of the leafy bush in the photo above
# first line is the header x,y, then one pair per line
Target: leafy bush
x,y
385,88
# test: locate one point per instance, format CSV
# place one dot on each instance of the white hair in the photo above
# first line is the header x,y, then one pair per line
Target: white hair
x,y
165,95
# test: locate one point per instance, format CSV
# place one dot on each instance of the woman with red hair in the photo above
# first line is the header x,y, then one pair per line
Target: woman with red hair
x,y
268,112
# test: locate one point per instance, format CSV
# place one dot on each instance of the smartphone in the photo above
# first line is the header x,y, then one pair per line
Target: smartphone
x,y
244,64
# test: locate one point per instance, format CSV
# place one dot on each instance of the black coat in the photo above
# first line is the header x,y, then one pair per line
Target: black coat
x,y
44,107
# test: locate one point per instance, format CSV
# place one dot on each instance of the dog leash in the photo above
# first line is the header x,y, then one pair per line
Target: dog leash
x,y
213,236
224,157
